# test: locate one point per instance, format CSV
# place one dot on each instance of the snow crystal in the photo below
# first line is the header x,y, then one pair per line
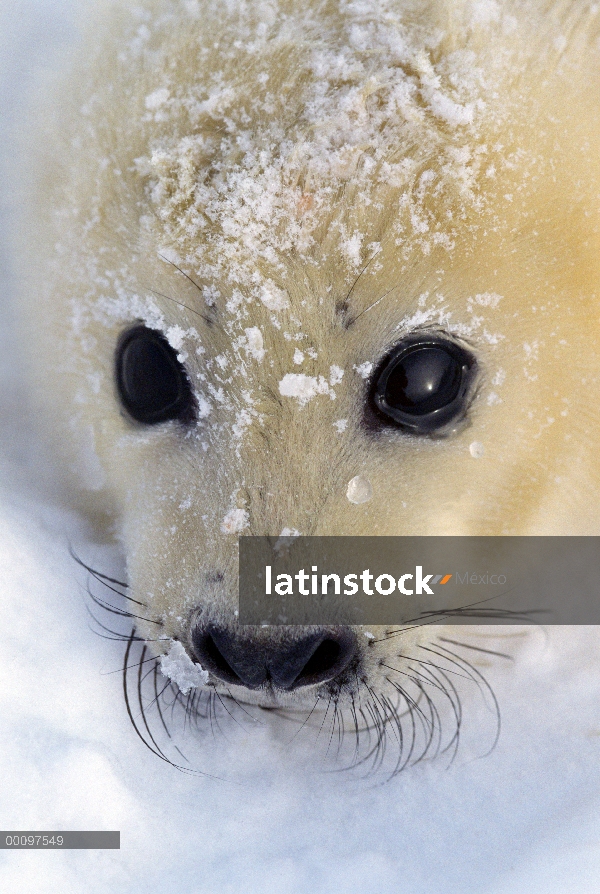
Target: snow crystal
x,y
157,99
340,425
298,357
351,247
336,374
273,297
289,532
203,406
285,540
254,343
210,294
476,449
235,521
175,335
360,490
485,299
178,667
242,421
455,114
303,387
364,369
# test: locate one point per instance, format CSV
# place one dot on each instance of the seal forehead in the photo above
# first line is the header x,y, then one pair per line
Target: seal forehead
x,y
278,135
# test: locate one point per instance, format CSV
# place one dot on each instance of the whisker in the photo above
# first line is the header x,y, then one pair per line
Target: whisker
x,y
455,642
198,313
183,273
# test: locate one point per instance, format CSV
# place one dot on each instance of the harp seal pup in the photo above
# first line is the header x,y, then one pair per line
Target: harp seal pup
x,y
243,219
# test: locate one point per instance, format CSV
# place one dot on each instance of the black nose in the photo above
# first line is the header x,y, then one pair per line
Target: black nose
x,y
287,663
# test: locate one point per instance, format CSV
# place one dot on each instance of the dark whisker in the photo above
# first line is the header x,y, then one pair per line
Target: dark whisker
x,y
346,301
96,573
183,273
455,642
198,313
155,751
119,670
119,611
353,320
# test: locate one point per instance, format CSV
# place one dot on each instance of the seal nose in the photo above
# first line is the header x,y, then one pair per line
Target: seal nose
x,y
289,664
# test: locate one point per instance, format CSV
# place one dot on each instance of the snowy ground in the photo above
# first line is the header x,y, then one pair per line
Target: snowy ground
x,y
526,818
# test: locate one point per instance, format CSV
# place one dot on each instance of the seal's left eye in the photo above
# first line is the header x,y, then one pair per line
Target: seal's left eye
x,y
424,384
152,384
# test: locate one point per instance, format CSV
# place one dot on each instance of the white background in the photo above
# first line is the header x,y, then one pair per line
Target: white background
x,y
524,819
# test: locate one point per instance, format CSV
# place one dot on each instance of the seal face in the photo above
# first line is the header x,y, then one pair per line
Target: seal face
x,y
318,268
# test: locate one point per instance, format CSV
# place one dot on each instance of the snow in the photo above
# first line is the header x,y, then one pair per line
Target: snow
x,y
303,387
178,667
272,296
235,521
359,490
336,374
364,369
157,99
267,818
247,180
255,343
524,820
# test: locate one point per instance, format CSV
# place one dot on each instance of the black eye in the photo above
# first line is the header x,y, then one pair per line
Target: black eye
x,y
424,384
152,383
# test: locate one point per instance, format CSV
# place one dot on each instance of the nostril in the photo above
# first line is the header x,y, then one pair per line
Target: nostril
x,y
313,659
228,657
323,659
211,658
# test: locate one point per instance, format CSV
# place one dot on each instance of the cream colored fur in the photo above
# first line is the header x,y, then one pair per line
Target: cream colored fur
x,y
331,175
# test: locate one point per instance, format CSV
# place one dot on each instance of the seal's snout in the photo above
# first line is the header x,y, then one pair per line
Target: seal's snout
x,y
253,661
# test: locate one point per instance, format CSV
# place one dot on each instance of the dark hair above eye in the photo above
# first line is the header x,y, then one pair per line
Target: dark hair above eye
x,y
151,382
423,384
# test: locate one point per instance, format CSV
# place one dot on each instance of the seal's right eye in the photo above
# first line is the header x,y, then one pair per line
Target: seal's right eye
x,y
152,384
